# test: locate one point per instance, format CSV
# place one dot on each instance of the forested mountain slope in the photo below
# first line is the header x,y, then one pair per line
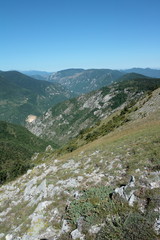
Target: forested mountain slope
x,y
17,145
65,120
84,81
21,96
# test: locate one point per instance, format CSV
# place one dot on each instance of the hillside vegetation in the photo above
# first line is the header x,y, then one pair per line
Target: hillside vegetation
x,y
84,81
105,189
17,145
66,120
21,96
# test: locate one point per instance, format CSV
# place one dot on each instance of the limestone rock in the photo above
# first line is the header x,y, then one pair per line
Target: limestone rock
x,y
95,229
157,226
127,191
49,148
9,237
65,227
76,234
42,205
1,235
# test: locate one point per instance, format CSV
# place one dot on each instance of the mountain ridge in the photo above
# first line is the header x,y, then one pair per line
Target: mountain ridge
x,y
83,81
73,73
67,119
21,96
155,73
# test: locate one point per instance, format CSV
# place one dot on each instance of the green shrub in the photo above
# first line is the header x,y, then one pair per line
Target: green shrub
x,y
17,145
126,227
122,222
90,205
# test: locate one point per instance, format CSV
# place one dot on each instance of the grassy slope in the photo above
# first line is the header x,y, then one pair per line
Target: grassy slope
x,y
114,121
137,142
130,150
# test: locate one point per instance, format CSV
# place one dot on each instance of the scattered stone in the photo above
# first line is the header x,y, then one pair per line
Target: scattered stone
x,y
76,194
32,190
80,178
95,229
42,205
34,157
2,235
37,224
4,213
71,182
127,191
29,171
157,226
65,227
9,237
49,148
77,235
155,184
80,224
70,164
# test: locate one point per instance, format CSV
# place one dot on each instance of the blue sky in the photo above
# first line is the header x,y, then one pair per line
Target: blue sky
x,y
58,34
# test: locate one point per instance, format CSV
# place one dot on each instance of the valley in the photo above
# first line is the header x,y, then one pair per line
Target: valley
x,y
88,167
21,96
66,120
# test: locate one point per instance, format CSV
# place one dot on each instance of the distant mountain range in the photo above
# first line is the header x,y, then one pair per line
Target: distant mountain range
x,y
155,73
35,72
21,95
150,72
65,120
39,75
79,80
83,81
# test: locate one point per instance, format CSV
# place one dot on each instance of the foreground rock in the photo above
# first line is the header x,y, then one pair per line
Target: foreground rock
x,y
32,207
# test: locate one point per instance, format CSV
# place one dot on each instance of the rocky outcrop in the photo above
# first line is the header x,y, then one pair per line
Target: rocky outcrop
x,y
36,201
127,191
76,234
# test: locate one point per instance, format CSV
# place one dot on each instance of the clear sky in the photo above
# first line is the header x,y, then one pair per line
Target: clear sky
x,y
53,35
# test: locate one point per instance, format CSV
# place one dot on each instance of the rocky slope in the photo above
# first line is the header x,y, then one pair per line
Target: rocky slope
x,y
21,96
84,81
108,189
65,120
